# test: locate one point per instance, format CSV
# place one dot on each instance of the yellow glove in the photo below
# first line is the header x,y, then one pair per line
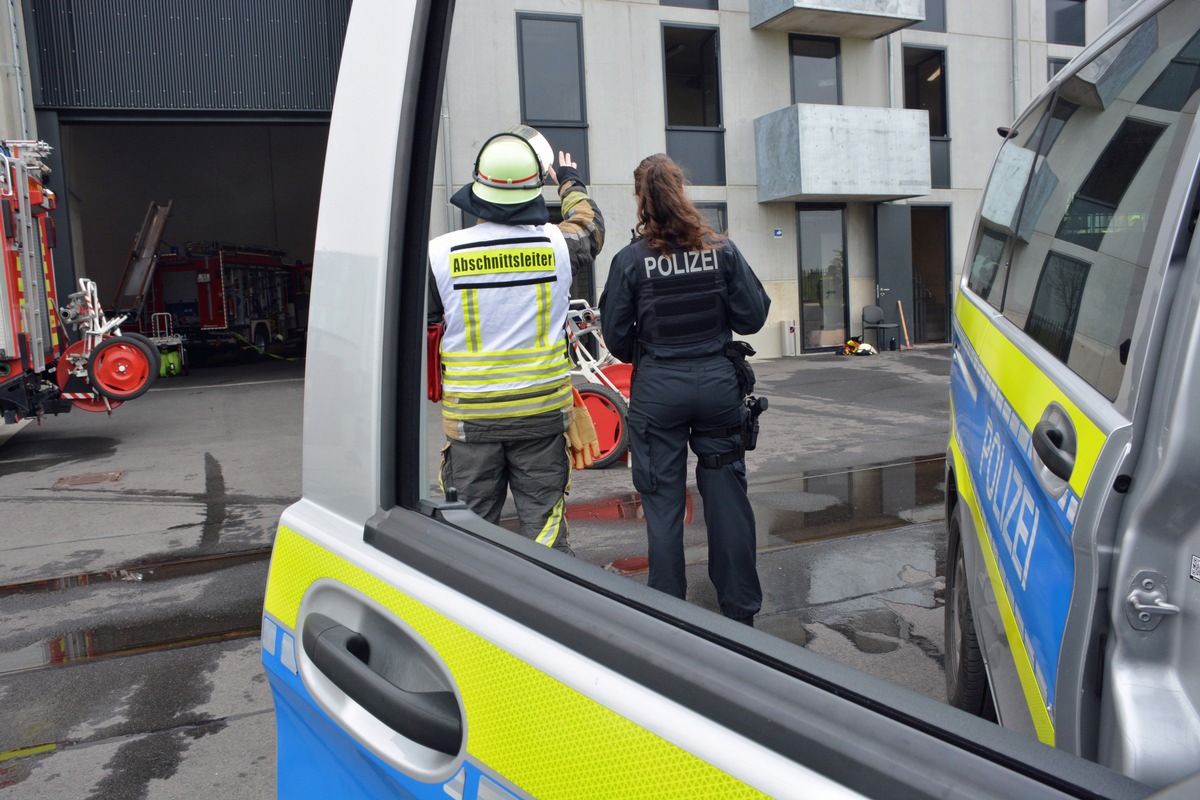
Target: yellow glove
x,y
581,435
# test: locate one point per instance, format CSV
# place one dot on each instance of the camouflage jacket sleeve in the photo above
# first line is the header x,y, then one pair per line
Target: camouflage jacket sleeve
x,y
583,224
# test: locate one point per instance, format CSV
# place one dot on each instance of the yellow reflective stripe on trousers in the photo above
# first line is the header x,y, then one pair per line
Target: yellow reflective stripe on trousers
x,y
554,523
549,739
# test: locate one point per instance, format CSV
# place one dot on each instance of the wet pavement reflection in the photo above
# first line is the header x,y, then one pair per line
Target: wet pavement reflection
x,y
805,508
878,595
851,563
176,625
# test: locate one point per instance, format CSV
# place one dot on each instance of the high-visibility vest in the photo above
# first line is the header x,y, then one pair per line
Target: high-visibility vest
x,y
505,290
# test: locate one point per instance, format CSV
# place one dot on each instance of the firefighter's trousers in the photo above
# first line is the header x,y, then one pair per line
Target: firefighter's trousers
x,y
675,403
538,471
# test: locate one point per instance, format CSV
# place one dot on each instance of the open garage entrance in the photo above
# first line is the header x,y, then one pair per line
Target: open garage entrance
x,y
250,185
218,117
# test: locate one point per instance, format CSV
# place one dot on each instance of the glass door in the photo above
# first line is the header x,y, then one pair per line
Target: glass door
x,y
822,242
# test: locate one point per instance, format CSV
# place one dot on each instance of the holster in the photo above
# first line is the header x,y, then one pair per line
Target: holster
x,y
737,352
755,406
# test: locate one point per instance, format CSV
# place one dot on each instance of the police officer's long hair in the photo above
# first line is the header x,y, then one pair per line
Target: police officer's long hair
x,y
666,217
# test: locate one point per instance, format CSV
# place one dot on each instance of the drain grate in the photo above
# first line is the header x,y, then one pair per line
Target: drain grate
x,y
87,480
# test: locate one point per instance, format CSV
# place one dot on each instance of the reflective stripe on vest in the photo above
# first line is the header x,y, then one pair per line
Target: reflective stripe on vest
x,y
505,290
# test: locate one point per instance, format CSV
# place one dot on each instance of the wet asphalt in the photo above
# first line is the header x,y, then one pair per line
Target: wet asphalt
x,y
134,549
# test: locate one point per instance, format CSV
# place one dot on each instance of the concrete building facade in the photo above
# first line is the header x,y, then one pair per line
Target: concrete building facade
x,y
843,144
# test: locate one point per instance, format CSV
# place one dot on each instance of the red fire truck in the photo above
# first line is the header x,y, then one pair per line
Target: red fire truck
x,y
41,371
224,296
214,296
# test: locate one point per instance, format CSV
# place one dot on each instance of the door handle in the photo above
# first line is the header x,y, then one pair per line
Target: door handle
x,y
431,719
1055,447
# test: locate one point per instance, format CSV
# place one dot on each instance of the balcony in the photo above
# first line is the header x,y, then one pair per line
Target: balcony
x,y
818,153
855,19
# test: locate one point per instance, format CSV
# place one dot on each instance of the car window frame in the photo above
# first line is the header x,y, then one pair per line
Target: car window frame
x,y
837,720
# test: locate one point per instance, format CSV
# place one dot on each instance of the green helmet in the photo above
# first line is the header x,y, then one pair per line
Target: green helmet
x,y
509,169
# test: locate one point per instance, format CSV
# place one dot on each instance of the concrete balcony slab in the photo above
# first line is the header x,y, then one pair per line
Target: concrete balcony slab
x,y
857,19
821,153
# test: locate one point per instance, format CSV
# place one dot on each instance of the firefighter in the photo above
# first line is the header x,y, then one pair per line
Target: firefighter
x,y
672,302
502,288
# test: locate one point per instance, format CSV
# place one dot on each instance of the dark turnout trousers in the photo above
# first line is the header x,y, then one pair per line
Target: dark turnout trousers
x,y
694,401
538,471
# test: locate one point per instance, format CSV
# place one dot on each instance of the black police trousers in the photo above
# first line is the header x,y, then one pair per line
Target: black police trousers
x,y
696,401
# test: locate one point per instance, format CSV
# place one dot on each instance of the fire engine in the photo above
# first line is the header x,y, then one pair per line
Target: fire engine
x,y
214,296
41,371
221,295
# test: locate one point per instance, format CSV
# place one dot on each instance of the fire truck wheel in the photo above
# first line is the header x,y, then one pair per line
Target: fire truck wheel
x,y
151,348
83,400
608,410
119,368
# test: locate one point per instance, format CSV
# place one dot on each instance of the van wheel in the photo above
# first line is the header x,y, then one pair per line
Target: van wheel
x,y
966,678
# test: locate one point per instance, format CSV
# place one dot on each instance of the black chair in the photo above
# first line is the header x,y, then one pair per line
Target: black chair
x,y
872,318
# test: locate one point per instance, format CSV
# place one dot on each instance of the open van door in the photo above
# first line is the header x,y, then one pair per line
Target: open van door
x,y
415,650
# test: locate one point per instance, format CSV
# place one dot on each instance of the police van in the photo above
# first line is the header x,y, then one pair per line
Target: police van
x,y
1073,481
416,651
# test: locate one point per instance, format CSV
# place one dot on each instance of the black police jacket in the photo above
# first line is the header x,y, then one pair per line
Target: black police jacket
x,y
679,304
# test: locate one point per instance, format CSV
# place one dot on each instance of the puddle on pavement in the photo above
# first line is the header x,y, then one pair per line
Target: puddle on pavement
x,y
89,645
156,571
182,628
805,508
36,453
829,505
809,507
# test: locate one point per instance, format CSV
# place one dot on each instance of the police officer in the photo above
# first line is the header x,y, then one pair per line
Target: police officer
x,y
503,287
673,299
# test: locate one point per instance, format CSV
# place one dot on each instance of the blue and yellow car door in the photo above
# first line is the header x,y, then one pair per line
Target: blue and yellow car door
x,y
1013,424
1057,329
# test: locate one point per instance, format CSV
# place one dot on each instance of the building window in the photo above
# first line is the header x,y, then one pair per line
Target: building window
x,y
1064,22
710,4
1056,301
695,136
935,17
550,61
715,216
1053,65
822,242
816,70
1093,209
925,90
1178,82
